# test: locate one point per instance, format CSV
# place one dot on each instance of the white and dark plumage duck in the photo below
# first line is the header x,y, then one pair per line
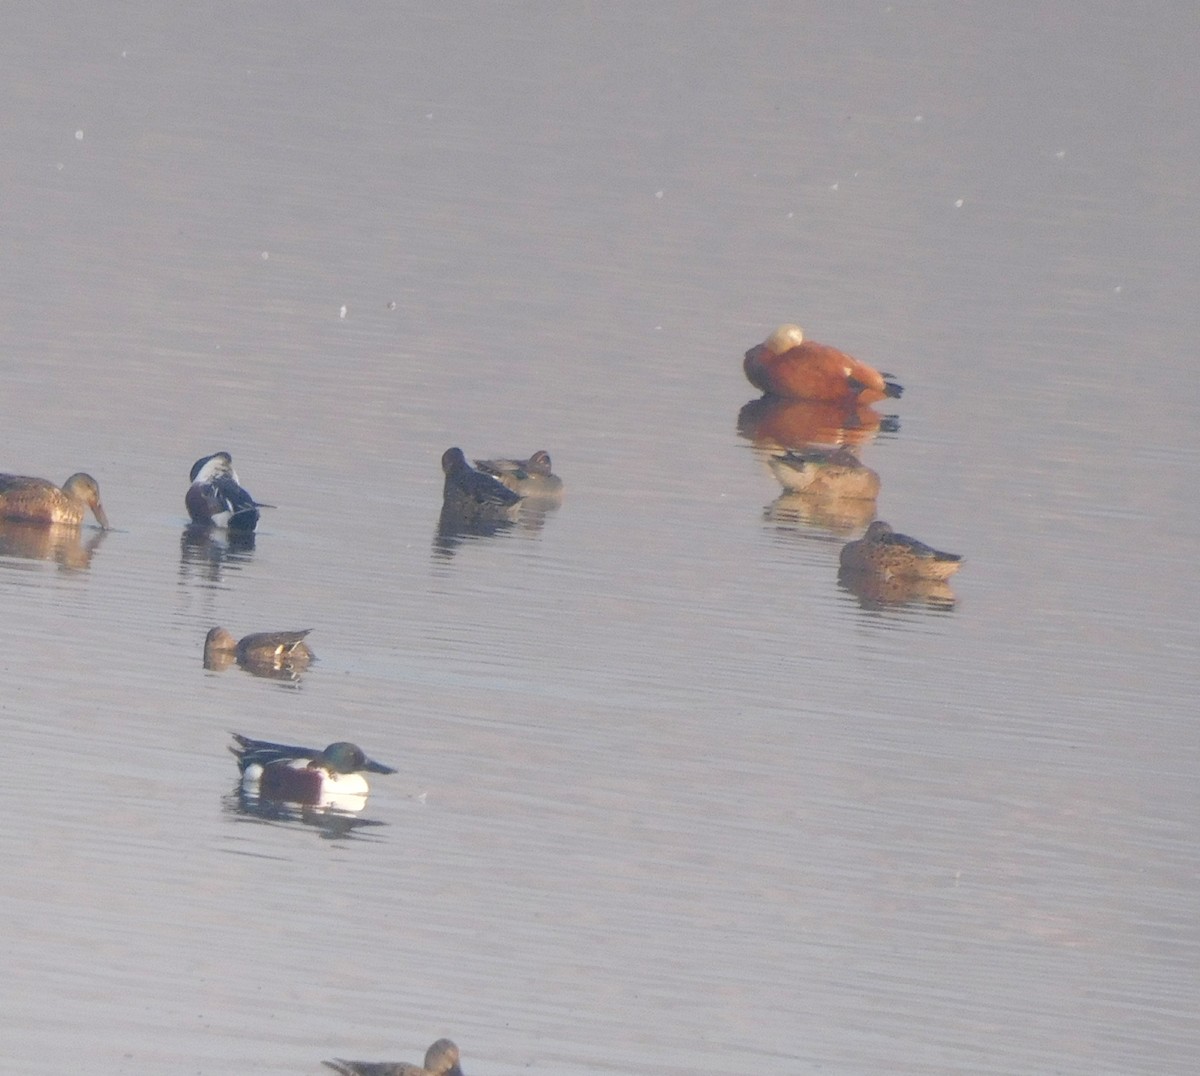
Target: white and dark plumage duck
x,y
329,777
216,497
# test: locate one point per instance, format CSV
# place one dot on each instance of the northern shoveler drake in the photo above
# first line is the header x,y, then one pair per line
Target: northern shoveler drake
x,y
529,478
834,472
883,552
35,500
441,1059
268,648
216,497
329,777
785,364
472,494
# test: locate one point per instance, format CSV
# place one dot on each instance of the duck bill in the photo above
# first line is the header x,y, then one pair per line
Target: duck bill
x,y
101,516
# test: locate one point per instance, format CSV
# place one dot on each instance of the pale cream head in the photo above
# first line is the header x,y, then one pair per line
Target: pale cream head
x,y
784,339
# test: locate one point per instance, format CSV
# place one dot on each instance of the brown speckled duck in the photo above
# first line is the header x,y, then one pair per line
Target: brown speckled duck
x,y
836,472
530,478
883,552
441,1059
35,500
266,648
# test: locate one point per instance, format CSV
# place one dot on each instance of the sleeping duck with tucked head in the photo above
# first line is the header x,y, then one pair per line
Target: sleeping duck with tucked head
x,y
216,497
531,478
884,553
788,365
472,494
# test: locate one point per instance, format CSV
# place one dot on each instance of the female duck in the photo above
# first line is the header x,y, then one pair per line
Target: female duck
x,y
884,553
303,774
34,500
263,648
826,472
785,364
441,1059
216,497
530,478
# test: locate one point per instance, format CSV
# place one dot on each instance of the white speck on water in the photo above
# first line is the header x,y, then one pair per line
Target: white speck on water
x,y
392,305
658,194
429,115
342,312
918,119
266,255
79,135
1117,289
1061,154
958,203
791,214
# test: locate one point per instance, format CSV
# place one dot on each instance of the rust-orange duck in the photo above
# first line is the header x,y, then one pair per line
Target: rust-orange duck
x,y
785,364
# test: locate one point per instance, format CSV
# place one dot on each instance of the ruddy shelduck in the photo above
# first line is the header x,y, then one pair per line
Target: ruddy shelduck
x,y
785,364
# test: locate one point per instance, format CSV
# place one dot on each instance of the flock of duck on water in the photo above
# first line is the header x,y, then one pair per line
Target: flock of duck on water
x,y
817,402
806,386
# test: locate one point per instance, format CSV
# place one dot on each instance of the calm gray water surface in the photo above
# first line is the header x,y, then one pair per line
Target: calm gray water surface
x,y
669,798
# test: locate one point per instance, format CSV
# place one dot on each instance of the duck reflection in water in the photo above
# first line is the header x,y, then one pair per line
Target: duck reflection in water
x,y
878,592
501,495
803,512
441,1059
772,423
278,655
205,552
36,541
332,823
